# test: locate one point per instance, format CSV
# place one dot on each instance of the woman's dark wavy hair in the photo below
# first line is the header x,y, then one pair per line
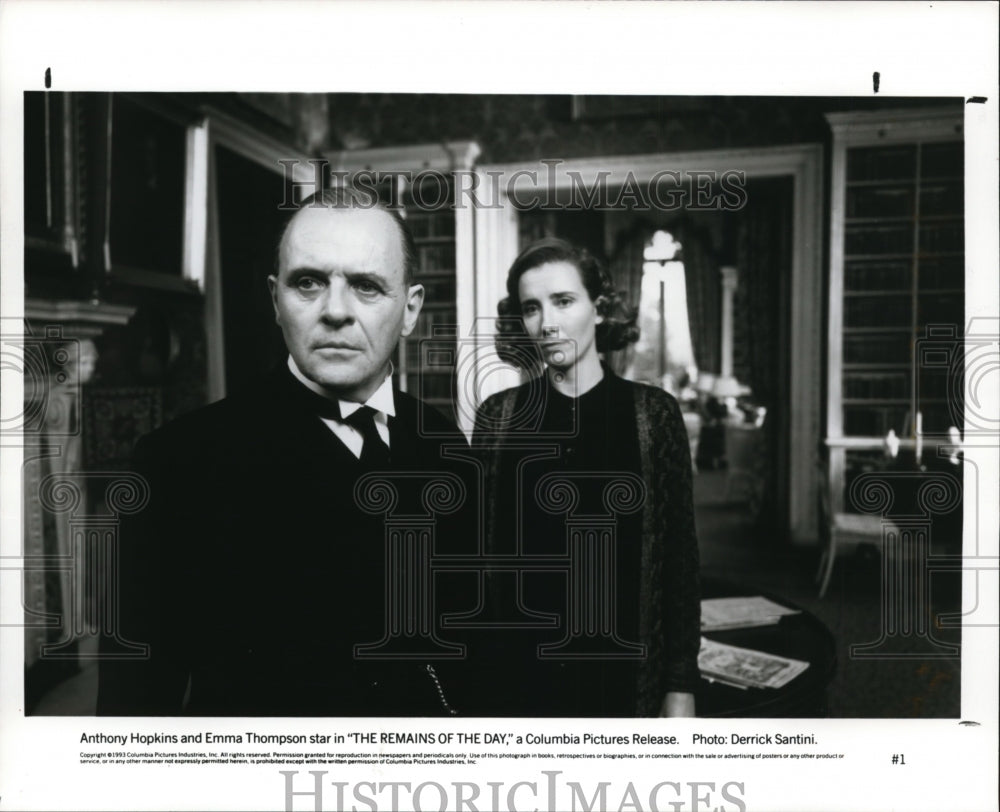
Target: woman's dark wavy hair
x,y
617,330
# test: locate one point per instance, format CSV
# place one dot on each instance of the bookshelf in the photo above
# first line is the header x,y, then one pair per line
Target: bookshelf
x,y
897,269
430,350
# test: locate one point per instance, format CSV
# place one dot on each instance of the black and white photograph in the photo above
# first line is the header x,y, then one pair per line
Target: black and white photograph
x,y
396,443
246,567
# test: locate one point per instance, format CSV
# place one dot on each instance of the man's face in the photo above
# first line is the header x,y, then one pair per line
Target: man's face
x,y
340,297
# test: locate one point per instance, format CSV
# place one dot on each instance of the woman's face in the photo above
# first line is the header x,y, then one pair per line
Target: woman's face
x,y
558,313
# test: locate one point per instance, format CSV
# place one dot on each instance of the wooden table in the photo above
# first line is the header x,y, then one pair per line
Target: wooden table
x,y
801,636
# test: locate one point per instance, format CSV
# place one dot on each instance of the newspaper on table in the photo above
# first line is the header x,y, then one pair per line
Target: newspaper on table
x,y
746,668
744,612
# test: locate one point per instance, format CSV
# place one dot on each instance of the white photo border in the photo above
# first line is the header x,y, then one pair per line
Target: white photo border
x,y
815,49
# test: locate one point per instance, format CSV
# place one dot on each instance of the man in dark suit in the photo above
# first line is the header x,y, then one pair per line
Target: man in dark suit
x,y
255,571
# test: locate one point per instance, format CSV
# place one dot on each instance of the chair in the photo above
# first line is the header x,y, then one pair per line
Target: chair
x,y
841,530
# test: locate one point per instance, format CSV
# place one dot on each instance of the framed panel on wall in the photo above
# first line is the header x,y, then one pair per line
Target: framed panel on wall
x,y
148,167
52,202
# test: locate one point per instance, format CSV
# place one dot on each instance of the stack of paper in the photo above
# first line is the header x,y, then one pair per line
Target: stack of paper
x,y
746,668
718,614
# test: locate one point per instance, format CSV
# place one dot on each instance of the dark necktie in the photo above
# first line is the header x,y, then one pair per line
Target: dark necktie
x,y
374,452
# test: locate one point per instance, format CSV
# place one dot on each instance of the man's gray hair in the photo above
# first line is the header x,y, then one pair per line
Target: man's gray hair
x,y
351,197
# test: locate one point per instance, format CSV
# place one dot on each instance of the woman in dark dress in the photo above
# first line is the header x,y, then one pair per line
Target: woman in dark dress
x,y
583,465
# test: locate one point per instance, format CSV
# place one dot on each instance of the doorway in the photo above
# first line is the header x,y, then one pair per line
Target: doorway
x,y
249,227
497,225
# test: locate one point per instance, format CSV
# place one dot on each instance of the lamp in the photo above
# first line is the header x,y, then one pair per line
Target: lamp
x,y
727,387
705,383
726,390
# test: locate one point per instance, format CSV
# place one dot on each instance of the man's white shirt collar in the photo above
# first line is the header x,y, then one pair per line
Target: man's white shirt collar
x,y
382,401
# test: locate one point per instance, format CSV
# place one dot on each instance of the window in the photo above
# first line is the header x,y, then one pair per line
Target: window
x,y
663,353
